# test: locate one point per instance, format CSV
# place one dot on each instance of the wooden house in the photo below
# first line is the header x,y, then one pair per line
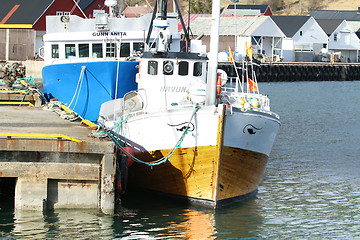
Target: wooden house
x,y
344,40
265,35
238,9
305,39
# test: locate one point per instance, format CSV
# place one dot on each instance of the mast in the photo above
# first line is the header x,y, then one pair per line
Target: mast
x,y
213,55
163,16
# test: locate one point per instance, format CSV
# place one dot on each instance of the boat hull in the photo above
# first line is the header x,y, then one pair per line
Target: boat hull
x,y
195,174
97,84
212,171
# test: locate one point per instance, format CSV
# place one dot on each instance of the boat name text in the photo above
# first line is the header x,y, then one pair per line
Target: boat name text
x,y
173,89
105,34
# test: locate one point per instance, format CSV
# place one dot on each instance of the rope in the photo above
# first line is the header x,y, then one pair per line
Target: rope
x,y
77,87
161,160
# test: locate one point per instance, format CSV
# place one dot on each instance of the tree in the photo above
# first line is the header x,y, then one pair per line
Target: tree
x,y
315,4
200,6
276,5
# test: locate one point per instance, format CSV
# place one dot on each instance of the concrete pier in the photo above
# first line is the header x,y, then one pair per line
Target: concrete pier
x,y
55,172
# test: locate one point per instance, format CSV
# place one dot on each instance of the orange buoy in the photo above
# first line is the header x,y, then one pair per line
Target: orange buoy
x,y
218,84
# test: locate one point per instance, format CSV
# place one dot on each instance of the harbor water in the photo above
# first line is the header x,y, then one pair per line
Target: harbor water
x,y
310,190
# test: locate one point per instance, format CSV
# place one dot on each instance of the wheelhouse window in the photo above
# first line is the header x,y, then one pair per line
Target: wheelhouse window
x,y
55,51
110,49
183,68
197,69
125,50
83,50
152,67
138,46
70,50
168,67
97,51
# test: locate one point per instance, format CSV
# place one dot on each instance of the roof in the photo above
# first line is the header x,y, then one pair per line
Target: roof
x,y
335,14
22,12
355,25
136,11
195,16
242,12
290,24
262,8
229,26
329,25
84,4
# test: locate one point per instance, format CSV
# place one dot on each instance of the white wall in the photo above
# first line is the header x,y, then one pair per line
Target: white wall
x,y
345,42
308,35
288,50
241,40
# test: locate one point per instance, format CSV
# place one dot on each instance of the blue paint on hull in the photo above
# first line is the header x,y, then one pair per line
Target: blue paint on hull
x,y
98,84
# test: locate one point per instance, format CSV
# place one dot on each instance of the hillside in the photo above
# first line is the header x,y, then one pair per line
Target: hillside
x,y
291,7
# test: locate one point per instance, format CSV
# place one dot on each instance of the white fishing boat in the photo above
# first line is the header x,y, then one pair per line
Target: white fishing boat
x,y
90,61
190,135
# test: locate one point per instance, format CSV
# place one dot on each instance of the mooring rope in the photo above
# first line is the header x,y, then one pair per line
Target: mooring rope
x,y
164,158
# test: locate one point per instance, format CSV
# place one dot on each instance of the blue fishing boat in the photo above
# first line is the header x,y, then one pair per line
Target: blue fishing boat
x,y
90,61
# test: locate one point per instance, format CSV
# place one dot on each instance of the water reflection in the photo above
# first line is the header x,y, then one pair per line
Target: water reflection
x,y
60,224
158,217
240,220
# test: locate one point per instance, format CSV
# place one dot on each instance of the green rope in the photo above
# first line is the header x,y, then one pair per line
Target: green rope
x,y
29,79
164,159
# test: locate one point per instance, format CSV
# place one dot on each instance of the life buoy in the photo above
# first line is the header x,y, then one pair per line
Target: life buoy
x,y
218,84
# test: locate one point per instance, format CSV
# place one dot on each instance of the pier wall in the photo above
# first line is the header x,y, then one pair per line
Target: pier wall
x,y
291,72
60,174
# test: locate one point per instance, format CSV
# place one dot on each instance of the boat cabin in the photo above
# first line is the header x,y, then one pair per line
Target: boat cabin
x,y
169,79
74,39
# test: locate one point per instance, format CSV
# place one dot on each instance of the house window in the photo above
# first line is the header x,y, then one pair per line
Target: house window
x,y
300,33
70,51
55,51
197,69
58,13
324,45
66,13
97,51
152,67
125,50
183,68
335,37
83,50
